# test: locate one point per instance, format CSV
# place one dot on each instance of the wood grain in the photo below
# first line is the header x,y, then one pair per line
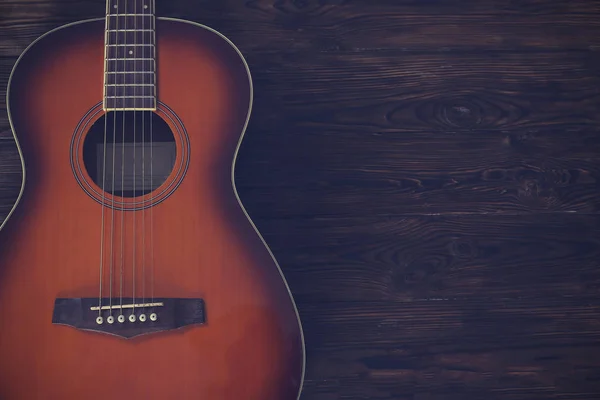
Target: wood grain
x,y
447,92
503,349
445,257
327,172
426,173
10,185
451,133
403,308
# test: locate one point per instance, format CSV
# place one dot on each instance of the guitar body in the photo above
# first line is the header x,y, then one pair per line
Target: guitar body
x,y
196,242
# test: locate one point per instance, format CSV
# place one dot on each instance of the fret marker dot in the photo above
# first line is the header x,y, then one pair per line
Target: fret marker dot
x,y
145,5
115,6
130,51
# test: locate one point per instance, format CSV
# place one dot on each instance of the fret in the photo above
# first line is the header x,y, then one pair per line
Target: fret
x,y
130,7
131,90
130,97
129,72
129,30
130,78
130,51
130,103
131,21
131,65
135,37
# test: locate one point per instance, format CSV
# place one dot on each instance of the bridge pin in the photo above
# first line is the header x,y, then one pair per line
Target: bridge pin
x,y
153,317
132,318
121,318
110,319
142,317
99,320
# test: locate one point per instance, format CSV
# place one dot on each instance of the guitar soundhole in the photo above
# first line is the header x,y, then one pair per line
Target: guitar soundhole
x,y
143,162
134,151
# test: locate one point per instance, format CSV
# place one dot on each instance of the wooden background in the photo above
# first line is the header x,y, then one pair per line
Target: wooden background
x,y
427,172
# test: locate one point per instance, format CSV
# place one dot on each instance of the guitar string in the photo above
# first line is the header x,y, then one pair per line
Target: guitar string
x,y
133,193
122,261
118,58
143,57
112,220
153,53
122,236
106,42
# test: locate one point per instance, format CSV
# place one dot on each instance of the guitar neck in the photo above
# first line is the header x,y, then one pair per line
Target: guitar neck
x,y
130,55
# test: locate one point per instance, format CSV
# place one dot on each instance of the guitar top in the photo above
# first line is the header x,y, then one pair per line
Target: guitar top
x,y
129,268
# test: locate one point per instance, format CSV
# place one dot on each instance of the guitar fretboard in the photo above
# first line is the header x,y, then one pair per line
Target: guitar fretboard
x,y
130,54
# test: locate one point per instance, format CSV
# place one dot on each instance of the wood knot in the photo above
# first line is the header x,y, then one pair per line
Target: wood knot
x,y
468,111
300,4
453,112
536,190
422,274
524,141
461,113
463,249
494,174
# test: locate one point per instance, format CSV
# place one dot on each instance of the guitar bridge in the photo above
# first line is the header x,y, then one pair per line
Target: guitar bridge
x,y
127,318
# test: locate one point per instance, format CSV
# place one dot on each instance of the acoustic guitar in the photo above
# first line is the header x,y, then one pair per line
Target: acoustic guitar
x,y
129,268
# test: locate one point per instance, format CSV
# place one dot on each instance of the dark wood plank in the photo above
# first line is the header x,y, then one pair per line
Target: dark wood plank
x,y
395,91
10,162
404,134
339,25
6,67
502,349
432,258
10,186
10,167
346,172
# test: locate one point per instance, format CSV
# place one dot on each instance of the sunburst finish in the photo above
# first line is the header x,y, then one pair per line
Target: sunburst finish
x,y
204,244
